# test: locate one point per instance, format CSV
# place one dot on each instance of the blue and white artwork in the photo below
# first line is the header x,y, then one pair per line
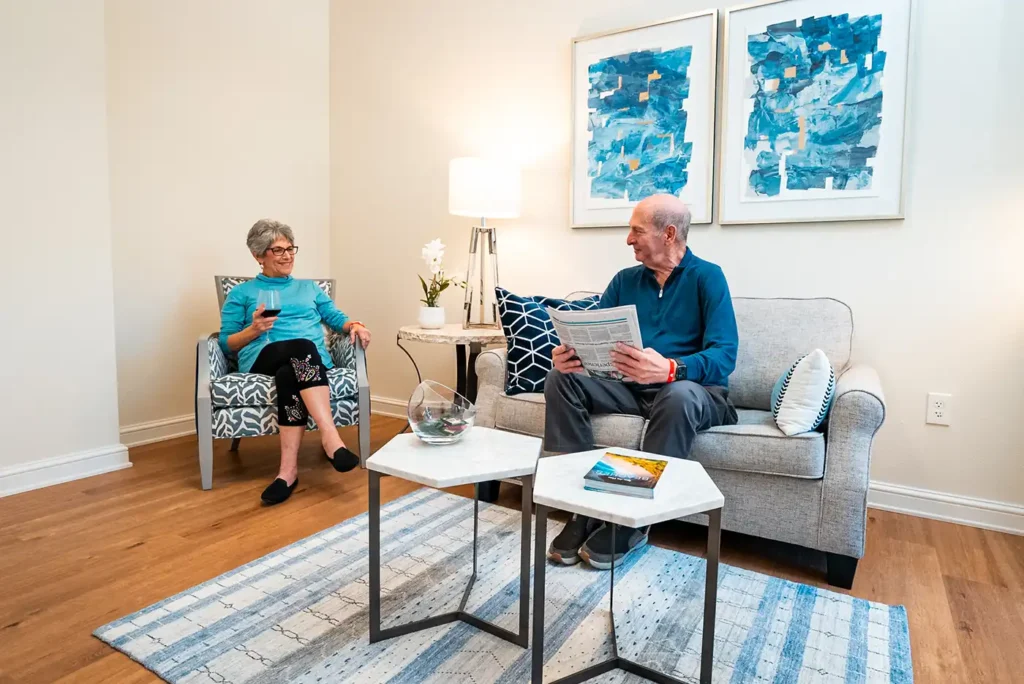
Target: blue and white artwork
x,y
643,119
816,120
637,121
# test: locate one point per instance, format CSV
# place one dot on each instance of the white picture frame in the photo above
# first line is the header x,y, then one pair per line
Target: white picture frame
x,y
840,171
656,161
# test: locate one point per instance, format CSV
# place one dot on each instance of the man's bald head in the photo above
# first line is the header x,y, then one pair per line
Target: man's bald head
x,y
666,210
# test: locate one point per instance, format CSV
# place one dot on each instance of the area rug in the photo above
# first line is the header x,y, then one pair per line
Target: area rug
x,y
300,614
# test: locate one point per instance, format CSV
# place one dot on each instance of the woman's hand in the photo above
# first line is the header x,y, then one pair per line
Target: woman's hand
x,y
360,331
260,324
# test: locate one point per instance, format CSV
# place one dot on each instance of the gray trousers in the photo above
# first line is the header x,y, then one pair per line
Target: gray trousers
x,y
677,411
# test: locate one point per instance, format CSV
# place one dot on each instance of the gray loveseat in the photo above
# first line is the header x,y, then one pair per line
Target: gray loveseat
x,y
810,489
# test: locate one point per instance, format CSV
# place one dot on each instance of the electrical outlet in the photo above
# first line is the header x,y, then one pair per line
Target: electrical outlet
x,y
940,409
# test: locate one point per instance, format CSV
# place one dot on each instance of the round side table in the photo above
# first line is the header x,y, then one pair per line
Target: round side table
x,y
468,345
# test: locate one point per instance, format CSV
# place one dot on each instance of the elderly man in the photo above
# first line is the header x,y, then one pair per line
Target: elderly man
x,y
679,382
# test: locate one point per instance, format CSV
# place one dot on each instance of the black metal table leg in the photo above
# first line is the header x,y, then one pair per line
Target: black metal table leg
x,y
460,371
489,490
377,634
707,647
617,661
471,379
540,562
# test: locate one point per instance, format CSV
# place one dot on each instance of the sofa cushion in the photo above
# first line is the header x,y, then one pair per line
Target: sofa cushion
x,y
531,337
254,389
524,413
774,332
753,445
757,445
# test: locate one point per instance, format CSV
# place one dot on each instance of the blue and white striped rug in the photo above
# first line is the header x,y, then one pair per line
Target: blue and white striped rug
x,y
300,614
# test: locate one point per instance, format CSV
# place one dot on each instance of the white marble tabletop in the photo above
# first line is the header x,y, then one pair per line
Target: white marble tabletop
x,y
483,454
685,488
452,333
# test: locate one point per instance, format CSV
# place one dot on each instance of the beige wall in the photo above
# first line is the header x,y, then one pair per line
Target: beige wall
x,y
938,298
59,409
218,117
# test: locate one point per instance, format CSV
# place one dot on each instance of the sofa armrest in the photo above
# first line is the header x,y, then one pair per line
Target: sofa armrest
x,y
490,372
857,414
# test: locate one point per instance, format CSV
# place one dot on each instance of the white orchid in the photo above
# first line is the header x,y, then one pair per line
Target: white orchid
x,y
433,254
433,251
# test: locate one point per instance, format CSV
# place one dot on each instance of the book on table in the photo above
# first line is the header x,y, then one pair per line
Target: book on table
x,y
621,474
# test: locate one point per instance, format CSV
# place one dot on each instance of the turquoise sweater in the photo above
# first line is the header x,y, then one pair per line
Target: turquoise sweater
x,y
304,306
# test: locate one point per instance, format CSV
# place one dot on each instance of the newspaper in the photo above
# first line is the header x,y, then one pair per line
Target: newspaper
x,y
594,333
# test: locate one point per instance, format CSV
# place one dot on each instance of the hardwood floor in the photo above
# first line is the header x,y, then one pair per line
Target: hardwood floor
x,y
78,555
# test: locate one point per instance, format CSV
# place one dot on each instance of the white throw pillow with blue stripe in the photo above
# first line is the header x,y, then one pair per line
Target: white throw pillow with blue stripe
x,y
803,395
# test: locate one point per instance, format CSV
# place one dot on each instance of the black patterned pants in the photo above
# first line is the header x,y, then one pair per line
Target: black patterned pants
x,y
295,365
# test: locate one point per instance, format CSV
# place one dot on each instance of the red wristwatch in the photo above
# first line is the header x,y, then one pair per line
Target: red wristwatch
x,y
671,370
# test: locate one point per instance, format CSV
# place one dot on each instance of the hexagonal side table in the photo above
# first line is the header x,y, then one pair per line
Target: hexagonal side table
x,y
684,489
483,454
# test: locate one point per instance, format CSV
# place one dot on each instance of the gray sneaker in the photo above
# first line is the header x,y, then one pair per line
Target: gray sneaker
x,y
565,547
598,548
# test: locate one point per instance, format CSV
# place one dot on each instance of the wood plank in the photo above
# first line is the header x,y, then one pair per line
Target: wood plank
x,y
990,629
900,572
78,555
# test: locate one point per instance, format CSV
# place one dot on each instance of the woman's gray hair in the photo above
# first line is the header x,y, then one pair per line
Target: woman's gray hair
x,y
264,232
662,218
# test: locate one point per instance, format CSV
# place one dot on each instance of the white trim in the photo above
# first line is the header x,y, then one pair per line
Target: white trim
x,y
387,406
51,471
963,510
158,430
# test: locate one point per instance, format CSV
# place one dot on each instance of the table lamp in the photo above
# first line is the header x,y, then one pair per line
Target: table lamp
x,y
484,189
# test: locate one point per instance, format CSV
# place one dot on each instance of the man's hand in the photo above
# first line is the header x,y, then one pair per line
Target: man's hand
x,y
565,360
260,324
644,367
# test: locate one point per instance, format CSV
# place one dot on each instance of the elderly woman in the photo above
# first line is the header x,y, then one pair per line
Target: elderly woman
x,y
288,346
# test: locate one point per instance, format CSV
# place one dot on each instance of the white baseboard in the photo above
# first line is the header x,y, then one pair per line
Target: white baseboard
x,y
157,430
964,510
51,471
386,406
139,434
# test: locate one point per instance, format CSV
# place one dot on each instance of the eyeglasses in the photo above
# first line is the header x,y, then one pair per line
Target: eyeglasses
x,y
278,251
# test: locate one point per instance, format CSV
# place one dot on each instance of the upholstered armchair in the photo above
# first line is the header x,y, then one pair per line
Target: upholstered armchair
x,y
232,405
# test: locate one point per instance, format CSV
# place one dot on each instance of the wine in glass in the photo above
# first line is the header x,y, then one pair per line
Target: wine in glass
x,y
271,301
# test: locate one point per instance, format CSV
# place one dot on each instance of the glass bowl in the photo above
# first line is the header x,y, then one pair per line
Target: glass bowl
x,y
438,414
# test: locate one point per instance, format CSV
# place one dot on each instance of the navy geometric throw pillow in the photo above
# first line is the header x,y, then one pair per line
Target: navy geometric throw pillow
x,y
531,337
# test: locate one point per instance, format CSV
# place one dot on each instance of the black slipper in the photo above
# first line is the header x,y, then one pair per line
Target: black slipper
x,y
278,491
344,460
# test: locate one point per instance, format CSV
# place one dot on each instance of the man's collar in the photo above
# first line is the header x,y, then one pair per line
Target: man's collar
x,y
686,261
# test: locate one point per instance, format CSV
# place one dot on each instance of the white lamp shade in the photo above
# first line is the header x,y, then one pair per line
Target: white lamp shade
x,y
483,188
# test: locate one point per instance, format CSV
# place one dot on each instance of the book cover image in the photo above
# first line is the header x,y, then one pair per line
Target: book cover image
x,y
629,471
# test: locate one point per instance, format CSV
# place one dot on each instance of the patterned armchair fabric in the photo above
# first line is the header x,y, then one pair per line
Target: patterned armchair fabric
x,y
231,405
257,421
252,389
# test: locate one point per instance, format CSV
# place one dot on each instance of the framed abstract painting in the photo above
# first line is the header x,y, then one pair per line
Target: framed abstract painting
x,y
814,101
643,103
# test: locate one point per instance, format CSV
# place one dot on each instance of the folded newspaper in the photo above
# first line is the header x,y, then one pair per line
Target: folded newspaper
x,y
594,333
